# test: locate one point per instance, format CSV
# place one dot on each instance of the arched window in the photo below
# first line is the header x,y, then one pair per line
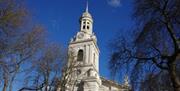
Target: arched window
x,y
80,55
87,27
89,72
84,27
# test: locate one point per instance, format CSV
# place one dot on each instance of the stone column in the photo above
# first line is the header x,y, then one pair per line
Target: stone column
x,y
86,54
89,52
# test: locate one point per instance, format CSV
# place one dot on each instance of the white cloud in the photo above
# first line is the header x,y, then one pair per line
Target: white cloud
x,y
114,3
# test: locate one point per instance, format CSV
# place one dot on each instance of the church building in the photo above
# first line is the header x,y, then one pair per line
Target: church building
x,y
85,76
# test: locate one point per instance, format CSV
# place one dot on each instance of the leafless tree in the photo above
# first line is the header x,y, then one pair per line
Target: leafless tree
x,y
45,69
20,52
70,73
155,46
17,43
68,70
23,51
157,82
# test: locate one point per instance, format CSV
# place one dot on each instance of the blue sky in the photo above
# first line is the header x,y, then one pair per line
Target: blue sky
x,y
61,19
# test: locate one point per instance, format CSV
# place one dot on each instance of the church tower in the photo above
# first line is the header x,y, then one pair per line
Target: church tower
x,y
85,53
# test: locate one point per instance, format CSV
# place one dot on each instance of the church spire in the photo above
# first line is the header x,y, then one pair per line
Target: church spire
x,y
86,21
87,7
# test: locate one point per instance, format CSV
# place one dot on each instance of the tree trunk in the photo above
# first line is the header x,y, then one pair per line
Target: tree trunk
x,y
174,77
5,83
12,80
5,87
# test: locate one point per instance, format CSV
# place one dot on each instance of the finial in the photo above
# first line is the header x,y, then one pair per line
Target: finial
x,y
126,81
87,6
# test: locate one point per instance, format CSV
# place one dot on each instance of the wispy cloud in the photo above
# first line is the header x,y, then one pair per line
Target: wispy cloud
x,y
114,3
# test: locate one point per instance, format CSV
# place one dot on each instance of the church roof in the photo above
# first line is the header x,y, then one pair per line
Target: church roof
x,y
113,83
86,14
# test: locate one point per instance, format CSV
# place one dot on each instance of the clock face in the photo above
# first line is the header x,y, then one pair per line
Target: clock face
x,y
81,35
